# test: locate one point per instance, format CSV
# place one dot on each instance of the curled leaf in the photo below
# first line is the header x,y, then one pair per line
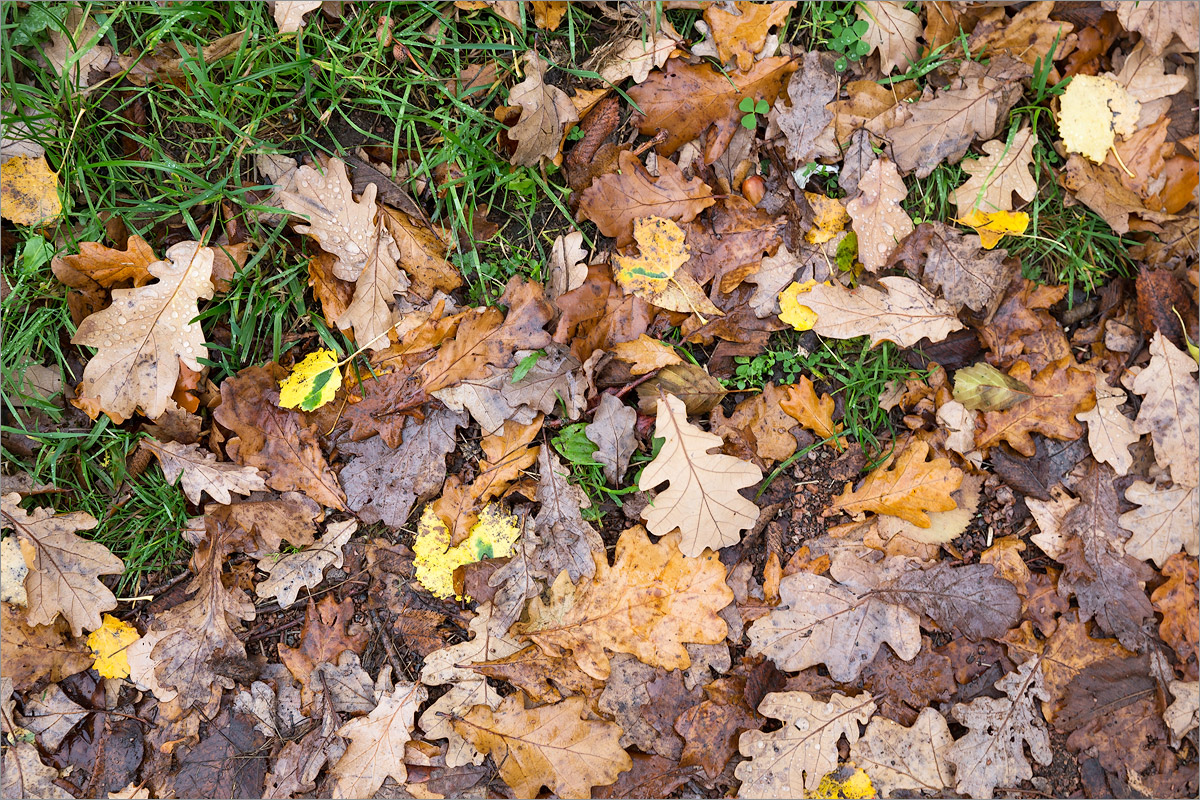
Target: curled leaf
x,y
982,387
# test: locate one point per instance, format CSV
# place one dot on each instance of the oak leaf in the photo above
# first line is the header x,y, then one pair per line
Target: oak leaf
x,y
50,715
702,500
1170,410
1183,715
289,14
1061,390
759,427
288,574
376,748
905,486
879,220
650,603
892,30
791,762
711,728
1109,431
615,201
841,625
645,701
1029,35
422,255
812,412
562,539
900,758
873,108
1176,600
1101,188
32,653
545,679
635,56
1142,75
996,177
686,100
546,113
645,354
202,472
64,569
805,121
904,313
275,440
108,266
972,601
741,37
1159,22
972,106
699,391
993,751
654,275
26,776
556,746
323,639
144,336
1166,521
954,262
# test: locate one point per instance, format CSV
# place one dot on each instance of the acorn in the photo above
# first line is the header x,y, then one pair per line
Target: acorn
x,y
754,189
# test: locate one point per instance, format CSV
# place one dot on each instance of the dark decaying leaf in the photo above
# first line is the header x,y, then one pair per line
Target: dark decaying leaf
x,y
969,601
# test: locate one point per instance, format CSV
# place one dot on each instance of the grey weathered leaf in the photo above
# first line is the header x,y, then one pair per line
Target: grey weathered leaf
x,y
611,429
969,601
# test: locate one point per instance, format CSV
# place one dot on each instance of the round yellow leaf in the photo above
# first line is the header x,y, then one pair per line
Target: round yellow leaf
x,y
313,382
829,218
110,643
29,191
493,536
1092,112
994,226
800,317
838,784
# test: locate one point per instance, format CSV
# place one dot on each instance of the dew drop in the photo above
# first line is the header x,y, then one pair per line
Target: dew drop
x,y
121,320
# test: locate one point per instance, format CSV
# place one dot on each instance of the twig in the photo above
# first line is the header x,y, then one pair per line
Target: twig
x,y
388,646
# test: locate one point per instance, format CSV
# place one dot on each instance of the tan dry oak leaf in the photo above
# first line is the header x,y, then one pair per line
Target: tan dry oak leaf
x,y
276,440
687,100
702,499
906,486
993,751
145,334
1183,715
650,603
645,354
1159,22
1166,521
289,14
947,259
841,625
879,220
546,114
615,200
1029,35
1060,391
288,574
376,748
873,108
50,715
26,776
904,313
999,175
893,31
790,762
1143,76
64,570
567,265
635,56
805,121
906,759
33,653
564,541
202,472
356,233
1170,410
971,107
557,746
741,36
1109,431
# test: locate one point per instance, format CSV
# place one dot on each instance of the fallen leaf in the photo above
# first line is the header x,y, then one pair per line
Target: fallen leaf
x,y
741,36
982,387
376,748
686,100
904,313
1101,188
613,610
492,536
761,423
277,441
1023,328
546,114
702,500
202,472
26,776
955,263
548,14
33,653
710,729
289,14
108,644
567,265
699,391
654,276
1142,75
50,715
1092,112
805,121
904,689
791,762
971,600
144,336
972,106
1109,431
813,413
1183,715
892,30
323,639
611,429
554,746
999,175
288,574
905,486
313,382
1177,600
650,777
562,540
645,701
615,201
912,759
873,108
1057,393
30,192
1029,35
995,225
635,56
107,266
993,751
1170,410
879,220
261,526
64,569
645,354
1166,521
13,570
1158,24
422,254
841,625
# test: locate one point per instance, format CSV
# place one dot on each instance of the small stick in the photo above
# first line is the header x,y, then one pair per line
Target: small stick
x,y
388,646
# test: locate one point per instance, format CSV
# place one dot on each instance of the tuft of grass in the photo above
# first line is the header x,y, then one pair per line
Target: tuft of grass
x,y
577,450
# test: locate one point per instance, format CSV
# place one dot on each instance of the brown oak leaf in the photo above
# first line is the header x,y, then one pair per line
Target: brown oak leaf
x,y
614,201
1060,391
905,486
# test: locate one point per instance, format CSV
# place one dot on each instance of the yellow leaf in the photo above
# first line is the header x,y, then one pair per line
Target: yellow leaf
x,y
1092,112
29,191
654,277
802,318
854,786
493,536
994,226
313,382
110,644
829,218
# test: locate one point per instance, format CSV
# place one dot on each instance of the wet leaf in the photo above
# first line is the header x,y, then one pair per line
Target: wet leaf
x,y
108,644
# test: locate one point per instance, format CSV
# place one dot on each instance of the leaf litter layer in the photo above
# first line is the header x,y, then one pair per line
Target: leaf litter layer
x,y
837,436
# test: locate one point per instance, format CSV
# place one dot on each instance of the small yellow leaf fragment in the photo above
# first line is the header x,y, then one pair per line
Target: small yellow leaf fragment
x,y
313,382
493,536
994,226
838,784
110,644
829,218
29,191
1093,111
653,275
800,317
